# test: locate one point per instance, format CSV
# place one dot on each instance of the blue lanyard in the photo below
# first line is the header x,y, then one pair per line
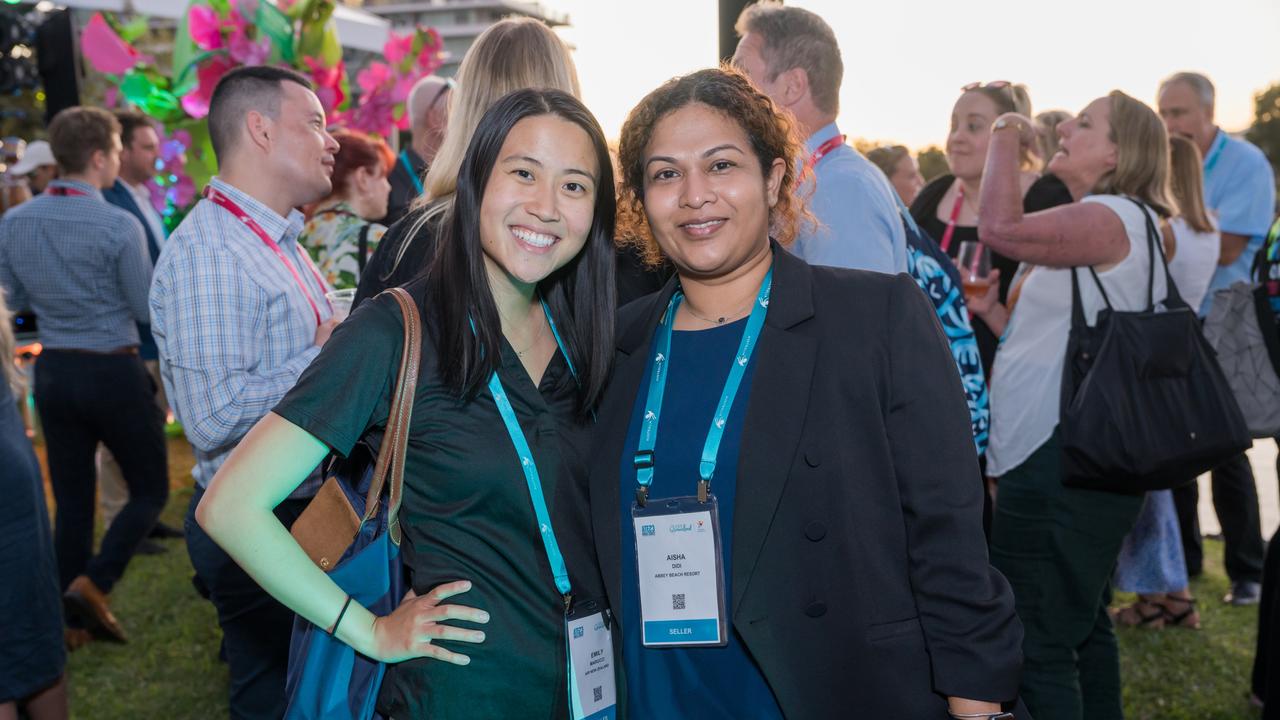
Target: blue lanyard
x,y
530,468
408,166
1215,151
658,385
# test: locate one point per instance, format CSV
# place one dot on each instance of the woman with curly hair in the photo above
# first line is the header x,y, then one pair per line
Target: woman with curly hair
x,y
784,492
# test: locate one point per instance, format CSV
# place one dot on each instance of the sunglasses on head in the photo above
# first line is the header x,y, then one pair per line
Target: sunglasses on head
x,y
993,85
448,85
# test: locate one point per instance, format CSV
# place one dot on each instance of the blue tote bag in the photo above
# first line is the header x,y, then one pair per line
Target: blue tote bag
x,y
352,531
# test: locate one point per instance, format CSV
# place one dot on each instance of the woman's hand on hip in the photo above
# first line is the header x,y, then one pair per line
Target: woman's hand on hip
x,y
411,631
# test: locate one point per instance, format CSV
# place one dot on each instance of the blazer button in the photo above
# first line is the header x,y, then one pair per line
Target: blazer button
x,y
816,609
811,458
815,531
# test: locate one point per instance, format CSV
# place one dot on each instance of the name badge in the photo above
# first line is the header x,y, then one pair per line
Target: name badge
x,y
681,574
592,688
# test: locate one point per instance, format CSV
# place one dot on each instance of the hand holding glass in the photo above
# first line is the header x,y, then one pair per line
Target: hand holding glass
x,y
974,264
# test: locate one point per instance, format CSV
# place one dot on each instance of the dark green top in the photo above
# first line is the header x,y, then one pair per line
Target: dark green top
x,y
466,513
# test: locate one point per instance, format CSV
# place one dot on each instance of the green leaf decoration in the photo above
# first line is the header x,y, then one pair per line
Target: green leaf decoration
x,y
273,23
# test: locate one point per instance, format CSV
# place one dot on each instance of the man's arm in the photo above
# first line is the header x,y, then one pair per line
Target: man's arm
x,y
214,339
15,296
133,269
856,231
1233,246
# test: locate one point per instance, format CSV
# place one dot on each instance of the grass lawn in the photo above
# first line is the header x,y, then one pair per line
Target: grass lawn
x,y
170,667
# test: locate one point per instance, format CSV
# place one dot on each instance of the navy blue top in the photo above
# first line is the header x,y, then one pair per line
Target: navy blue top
x,y
706,682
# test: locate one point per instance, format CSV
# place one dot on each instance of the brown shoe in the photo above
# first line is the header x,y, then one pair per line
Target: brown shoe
x,y
84,600
75,638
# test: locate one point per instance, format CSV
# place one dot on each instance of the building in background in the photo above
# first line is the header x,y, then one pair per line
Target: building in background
x,y
459,22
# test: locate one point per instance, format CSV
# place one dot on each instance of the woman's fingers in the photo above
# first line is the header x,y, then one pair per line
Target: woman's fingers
x,y
434,631
447,590
439,653
454,612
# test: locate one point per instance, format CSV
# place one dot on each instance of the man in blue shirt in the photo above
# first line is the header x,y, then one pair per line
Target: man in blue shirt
x,y
792,56
82,266
1240,190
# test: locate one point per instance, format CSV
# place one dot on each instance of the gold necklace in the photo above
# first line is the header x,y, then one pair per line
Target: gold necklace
x,y
721,320
536,337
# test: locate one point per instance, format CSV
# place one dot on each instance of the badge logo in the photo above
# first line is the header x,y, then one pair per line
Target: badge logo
x,y
578,632
647,530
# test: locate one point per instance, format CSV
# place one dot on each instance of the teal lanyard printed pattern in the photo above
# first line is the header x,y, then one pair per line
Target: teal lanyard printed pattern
x,y
658,385
530,468
408,166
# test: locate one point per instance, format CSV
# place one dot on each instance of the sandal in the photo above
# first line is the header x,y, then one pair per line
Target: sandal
x,y
1134,616
1188,618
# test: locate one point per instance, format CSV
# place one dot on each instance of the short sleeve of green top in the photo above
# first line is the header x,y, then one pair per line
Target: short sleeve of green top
x,y
466,513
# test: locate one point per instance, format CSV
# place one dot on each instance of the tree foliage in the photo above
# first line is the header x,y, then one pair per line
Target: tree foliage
x,y
1265,131
933,162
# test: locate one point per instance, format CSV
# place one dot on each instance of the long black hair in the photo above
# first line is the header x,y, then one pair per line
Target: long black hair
x,y
580,295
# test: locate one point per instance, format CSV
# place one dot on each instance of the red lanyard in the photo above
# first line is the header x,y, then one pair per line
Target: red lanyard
x,y
951,224
831,144
64,191
230,206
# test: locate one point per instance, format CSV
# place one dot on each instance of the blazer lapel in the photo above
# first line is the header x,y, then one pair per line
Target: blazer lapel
x,y
615,418
775,414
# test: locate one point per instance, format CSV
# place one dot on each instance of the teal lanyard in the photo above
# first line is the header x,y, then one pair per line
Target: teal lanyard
x,y
658,385
530,468
1215,152
408,166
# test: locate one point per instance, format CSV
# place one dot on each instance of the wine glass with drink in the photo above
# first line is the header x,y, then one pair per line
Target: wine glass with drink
x,y
974,263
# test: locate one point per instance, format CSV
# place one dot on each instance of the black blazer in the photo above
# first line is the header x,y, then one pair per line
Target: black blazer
x,y
861,584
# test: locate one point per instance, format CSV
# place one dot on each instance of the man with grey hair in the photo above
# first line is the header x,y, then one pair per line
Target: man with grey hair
x,y
428,108
792,56
1239,188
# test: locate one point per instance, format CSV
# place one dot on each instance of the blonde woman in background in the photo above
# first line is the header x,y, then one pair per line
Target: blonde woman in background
x,y
512,54
1152,563
1047,124
32,657
897,164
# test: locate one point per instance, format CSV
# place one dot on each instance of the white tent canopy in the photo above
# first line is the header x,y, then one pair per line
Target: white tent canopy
x,y
357,29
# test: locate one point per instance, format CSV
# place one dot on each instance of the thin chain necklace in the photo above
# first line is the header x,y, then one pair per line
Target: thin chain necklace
x,y
536,337
720,320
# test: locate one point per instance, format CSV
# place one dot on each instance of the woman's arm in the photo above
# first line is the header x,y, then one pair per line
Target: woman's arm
x,y
237,512
1066,236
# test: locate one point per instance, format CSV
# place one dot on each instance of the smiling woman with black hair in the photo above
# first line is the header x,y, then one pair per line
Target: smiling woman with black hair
x,y
527,240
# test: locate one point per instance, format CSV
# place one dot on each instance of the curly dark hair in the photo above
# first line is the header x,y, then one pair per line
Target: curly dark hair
x,y
773,135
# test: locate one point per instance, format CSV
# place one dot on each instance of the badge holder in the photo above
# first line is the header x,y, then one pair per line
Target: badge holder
x,y
592,682
679,558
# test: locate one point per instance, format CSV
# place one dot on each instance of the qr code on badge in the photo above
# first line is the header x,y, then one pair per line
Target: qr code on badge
x,y
677,601
597,693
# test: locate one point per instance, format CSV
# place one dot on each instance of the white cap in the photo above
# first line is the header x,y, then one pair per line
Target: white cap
x,y
38,153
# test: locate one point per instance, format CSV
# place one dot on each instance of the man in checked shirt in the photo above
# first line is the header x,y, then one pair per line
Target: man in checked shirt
x,y
82,266
237,312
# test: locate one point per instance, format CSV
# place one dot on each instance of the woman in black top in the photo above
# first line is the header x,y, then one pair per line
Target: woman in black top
x,y
528,239
947,208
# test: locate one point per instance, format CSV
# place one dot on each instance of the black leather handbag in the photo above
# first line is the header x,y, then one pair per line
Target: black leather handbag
x,y
1144,405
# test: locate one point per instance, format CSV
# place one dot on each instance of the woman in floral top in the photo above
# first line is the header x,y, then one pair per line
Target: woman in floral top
x,y
338,233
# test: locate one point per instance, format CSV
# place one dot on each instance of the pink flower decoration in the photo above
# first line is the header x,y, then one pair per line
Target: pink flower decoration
x,y
398,47
246,51
196,102
205,27
106,51
374,77
328,82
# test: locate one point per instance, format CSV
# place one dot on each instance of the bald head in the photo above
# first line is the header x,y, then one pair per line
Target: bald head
x,y
428,108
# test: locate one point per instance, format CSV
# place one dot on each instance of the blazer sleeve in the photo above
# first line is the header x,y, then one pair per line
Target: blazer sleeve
x,y
965,605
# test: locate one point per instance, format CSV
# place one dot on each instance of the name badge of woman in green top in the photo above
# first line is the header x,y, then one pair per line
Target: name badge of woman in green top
x,y
678,550
588,625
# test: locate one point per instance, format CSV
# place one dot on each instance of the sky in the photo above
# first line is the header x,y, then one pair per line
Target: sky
x,y
904,62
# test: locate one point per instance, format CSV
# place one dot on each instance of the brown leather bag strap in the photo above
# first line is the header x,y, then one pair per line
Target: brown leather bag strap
x,y
395,440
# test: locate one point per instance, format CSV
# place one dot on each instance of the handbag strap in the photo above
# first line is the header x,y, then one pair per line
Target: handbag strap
x,y
1172,297
396,439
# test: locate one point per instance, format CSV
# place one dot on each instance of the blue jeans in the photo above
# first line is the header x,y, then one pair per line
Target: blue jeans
x,y
255,627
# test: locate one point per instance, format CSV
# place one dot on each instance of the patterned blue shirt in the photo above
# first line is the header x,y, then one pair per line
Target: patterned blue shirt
x,y
858,222
81,264
233,328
